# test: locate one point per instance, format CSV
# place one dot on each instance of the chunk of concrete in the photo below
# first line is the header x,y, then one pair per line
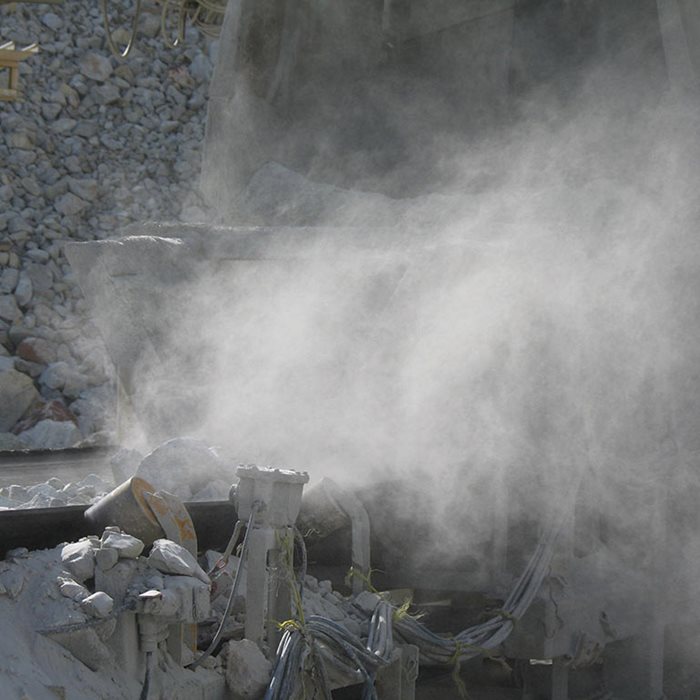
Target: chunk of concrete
x,y
171,558
247,670
79,559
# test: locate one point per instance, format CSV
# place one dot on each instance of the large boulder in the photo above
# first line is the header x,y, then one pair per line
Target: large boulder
x,y
183,466
17,394
51,435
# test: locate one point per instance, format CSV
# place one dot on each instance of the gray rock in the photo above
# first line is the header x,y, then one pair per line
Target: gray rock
x,y
72,589
9,311
10,442
200,68
21,140
127,546
96,67
86,189
51,435
52,21
24,290
78,558
40,276
17,394
98,604
50,110
56,375
8,280
70,205
63,126
106,558
182,466
171,558
37,255
107,94
247,670
367,601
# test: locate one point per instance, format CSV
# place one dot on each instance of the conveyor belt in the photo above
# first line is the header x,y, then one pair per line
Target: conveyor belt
x,y
41,528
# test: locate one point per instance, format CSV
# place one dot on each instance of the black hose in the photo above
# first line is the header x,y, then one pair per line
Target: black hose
x,y
234,588
147,680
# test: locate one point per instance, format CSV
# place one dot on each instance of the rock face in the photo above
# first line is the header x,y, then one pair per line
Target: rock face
x,y
96,144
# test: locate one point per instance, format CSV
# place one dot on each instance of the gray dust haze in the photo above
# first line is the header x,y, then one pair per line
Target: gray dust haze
x,y
528,314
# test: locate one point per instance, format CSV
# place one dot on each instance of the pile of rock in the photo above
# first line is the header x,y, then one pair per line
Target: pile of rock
x,y
60,608
54,493
95,145
184,467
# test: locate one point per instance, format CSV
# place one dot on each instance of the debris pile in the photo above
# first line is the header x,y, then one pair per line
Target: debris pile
x,y
71,171
80,601
54,493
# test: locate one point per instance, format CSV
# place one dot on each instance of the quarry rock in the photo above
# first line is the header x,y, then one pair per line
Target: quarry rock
x,y
99,604
9,442
183,465
72,589
71,171
17,394
106,558
79,559
171,558
36,350
9,311
96,67
51,435
247,670
128,547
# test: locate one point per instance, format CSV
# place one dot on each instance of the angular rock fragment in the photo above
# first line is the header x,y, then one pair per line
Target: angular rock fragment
x,y
247,670
171,558
79,559
127,546
98,604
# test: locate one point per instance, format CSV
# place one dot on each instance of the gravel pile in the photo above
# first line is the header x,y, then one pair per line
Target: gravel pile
x,y
54,493
96,144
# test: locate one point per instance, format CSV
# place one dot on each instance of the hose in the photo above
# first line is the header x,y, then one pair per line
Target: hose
x,y
234,589
149,673
108,32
